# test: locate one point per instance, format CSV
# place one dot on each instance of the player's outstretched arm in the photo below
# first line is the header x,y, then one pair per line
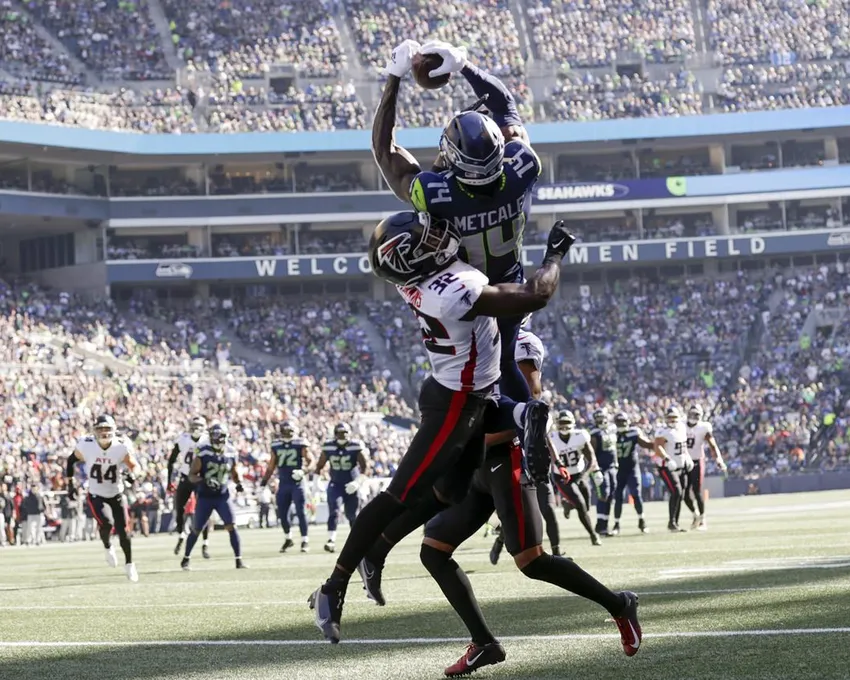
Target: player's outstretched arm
x,y
715,449
519,299
397,164
532,376
645,443
195,471
659,449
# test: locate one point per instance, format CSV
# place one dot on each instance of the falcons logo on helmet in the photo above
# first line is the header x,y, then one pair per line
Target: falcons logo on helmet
x,y
393,252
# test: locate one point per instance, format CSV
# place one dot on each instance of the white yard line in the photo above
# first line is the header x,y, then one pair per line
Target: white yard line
x,y
423,641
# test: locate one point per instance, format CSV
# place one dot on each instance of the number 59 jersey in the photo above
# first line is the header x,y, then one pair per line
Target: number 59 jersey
x,y
464,355
103,466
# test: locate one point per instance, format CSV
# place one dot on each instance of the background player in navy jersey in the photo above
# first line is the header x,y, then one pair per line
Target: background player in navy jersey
x,y
486,188
603,438
181,455
291,458
347,460
629,438
214,465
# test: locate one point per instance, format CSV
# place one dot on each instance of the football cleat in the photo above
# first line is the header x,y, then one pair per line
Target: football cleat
x,y
556,550
642,526
111,557
675,528
205,552
695,524
476,656
184,564
627,622
594,539
178,546
327,603
330,547
371,575
240,564
287,544
132,574
496,550
536,442
567,510
702,525
305,546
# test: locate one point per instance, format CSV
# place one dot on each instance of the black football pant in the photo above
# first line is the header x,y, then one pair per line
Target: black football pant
x,y
546,503
577,492
676,482
182,494
695,479
118,510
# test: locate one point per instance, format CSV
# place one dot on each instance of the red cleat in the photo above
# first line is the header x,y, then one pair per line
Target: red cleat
x,y
627,622
477,656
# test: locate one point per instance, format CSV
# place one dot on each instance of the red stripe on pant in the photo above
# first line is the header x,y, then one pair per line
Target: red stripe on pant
x,y
93,511
665,475
455,408
516,491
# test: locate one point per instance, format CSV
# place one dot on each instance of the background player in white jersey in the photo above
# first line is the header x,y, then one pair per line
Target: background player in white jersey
x,y
573,454
182,455
106,455
700,433
671,446
457,310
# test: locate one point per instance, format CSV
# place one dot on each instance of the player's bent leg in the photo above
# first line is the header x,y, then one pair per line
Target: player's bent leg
x,y
546,503
579,495
119,514
236,545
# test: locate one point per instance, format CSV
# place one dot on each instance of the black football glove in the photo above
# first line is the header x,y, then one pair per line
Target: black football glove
x,y
239,487
560,240
72,490
130,479
263,483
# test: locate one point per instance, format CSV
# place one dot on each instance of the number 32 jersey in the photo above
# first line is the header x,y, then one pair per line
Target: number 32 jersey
x,y
464,355
104,465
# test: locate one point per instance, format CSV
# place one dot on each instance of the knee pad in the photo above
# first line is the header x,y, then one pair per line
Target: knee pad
x,y
433,559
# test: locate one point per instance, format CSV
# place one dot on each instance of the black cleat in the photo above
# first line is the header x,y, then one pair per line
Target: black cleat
x,y
305,546
205,552
476,657
616,530
371,575
330,547
327,603
496,550
556,550
179,545
287,544
240,564
567,510
675,528
642,526
184,564
535,442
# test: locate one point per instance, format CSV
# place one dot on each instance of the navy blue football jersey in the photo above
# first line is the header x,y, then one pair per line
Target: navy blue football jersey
x,y
216,468
627,447
491,225
342,460
605,445
290,456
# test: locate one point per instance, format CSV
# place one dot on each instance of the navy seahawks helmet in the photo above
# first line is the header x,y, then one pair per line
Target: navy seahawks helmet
x,y
622,421
600,417
218,435
473,147
287,431
408,247
342,433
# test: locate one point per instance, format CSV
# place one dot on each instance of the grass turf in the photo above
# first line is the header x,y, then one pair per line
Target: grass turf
x,y
773,563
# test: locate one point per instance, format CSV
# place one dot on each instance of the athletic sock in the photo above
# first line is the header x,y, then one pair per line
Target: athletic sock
x,y
236,544
404,525
458,591
190,543
566,574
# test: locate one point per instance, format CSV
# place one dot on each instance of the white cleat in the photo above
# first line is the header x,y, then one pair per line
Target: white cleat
x,y
702,525
697,521
111,557
132,574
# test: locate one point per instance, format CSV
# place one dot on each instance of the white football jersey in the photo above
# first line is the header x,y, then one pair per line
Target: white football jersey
x,y
186,446
675,444
696,438
103,466
464,355
569,453
529,348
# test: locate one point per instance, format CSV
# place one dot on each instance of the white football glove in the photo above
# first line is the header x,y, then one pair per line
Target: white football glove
x,y
352,486
596,476
454,58
672,465
688,463
297,475
401,60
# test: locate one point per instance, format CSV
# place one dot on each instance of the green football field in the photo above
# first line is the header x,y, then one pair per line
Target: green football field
x,y
765,593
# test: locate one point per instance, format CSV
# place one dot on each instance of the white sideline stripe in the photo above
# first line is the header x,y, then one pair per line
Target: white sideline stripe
x,y
482,598
425,641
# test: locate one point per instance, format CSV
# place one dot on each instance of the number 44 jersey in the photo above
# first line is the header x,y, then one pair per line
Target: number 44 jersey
x,y
103,466
464,355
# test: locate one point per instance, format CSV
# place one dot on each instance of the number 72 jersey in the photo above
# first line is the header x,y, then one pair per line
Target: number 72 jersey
x,y
103,466
491,225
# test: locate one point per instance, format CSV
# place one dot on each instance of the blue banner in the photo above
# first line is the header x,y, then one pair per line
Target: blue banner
x,y
623,190
620,252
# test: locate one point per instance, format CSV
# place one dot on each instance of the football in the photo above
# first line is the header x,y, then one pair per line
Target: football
x,y
423,64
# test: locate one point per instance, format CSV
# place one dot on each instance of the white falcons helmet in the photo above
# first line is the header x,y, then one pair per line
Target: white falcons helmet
x,y
566,422
672,416
104,430
695,414
197,427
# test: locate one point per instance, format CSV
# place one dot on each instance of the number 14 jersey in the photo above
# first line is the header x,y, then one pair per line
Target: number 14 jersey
x,y
464,355
103,466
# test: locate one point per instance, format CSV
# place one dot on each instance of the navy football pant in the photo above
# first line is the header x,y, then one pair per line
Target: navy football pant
x,y
287,495
628,481
350,504
604,497
207,504
512,383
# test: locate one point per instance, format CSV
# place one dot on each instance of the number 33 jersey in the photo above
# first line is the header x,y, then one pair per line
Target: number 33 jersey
x,y
464,355
104,465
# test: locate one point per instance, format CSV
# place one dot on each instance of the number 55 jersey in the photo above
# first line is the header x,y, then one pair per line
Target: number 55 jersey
x,y
104,465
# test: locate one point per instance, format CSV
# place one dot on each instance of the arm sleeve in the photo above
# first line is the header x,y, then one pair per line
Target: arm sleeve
x,y
70,463
172,459
499,99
